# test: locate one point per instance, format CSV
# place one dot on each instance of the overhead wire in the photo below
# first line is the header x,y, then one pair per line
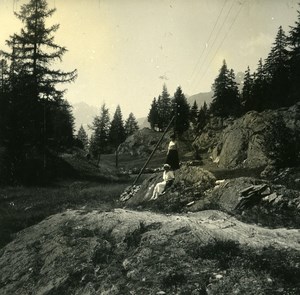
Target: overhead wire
x,y
208,40
225,36
214,41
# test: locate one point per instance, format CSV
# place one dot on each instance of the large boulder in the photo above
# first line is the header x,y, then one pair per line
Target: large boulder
x,y
126,252
253,200
190,184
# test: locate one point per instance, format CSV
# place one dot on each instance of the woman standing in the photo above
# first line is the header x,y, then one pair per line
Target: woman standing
x,y
172,155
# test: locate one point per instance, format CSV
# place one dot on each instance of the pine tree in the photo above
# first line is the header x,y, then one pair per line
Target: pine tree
x,y
131,125
181,109
226,97
294,45
32,99
153,115
61,126
33,50
32,79
247,90
259,91
100,138
164,107
233,95
117,130
277,72
83,138
194,114
202,117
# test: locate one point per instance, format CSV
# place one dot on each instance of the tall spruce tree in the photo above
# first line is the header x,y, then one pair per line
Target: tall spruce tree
x,y
294,63
164,108
193,114
259,100
153,116
202,117
32,97
277,72
117,131
34,50
247,90
99,142
181,110
226,97
83,138
131,125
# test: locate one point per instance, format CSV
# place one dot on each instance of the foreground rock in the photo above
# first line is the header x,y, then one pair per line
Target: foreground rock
x,y
127,252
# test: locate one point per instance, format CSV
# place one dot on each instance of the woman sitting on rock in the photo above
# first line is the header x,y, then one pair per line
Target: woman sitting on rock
x,y
168,179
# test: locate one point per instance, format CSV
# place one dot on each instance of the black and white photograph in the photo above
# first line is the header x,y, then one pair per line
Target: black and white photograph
x,y
149,147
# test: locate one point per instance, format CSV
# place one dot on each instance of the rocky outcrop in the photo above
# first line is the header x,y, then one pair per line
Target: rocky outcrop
x,y
127,252
253,200
242,143
190,184
143,142
209,137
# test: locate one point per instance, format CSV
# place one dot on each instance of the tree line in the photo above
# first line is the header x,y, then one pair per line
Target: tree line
x,y
107,134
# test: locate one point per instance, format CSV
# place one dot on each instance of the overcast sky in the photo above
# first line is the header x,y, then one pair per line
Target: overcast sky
x,y
125,50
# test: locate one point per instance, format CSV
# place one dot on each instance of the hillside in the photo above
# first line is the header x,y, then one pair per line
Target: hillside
x,y
200,98
219,229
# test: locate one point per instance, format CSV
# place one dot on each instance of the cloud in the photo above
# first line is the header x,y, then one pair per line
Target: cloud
x,y
259,43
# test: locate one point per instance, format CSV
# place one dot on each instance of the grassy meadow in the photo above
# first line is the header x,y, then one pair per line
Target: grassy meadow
x,y
90,188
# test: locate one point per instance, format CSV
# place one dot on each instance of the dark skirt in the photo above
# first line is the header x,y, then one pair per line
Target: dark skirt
x,y
172,159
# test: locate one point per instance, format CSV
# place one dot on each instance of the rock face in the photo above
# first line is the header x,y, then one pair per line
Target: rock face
x,y
143,142
242,142
127,252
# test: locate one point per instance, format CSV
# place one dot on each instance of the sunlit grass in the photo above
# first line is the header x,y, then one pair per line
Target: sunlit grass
x,y
25,206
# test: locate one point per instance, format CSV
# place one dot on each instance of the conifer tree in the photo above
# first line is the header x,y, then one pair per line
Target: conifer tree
x,y
100,137
181,109
61,126
131,125
32,99
194,114
33,50
202,117
247,90
277,72
294,62
259,91
117,130
153,115
83,138
226,97
164,108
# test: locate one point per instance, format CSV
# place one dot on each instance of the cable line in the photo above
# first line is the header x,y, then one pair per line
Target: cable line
x,y
214,41
236,16
207,42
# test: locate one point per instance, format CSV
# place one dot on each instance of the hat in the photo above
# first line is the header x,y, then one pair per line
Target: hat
x,y
167,166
